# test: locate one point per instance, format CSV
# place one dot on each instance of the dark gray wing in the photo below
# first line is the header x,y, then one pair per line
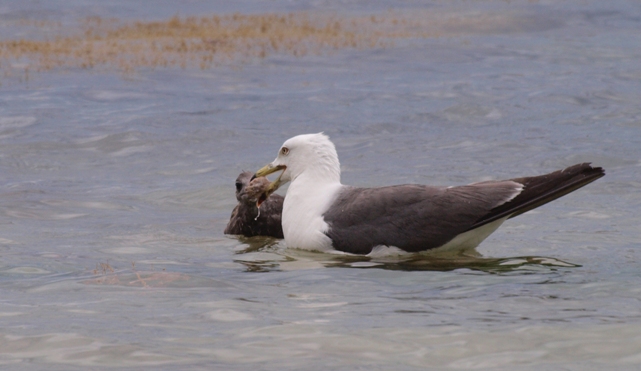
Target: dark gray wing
x,y
411,217
539,190
416,218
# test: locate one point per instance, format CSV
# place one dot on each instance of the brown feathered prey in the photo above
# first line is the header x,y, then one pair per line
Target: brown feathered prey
x,y
258,212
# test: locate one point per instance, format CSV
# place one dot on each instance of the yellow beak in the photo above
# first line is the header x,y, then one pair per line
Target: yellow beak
x,y
273,186
269,169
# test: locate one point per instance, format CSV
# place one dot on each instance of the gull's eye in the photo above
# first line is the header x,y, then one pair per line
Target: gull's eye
x,y
239,186
284,151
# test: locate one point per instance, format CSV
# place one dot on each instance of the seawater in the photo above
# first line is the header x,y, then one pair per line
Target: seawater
x,y
115,190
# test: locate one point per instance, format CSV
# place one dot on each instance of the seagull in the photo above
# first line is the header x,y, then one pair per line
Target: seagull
x,y
321,214
258,212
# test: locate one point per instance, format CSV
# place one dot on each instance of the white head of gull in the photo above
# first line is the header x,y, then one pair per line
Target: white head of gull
x,y
319,213
311,164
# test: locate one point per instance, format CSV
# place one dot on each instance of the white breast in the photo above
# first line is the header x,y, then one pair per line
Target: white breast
x,y
303,209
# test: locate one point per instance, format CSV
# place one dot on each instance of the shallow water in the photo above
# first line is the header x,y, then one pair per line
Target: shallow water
x,y
115,191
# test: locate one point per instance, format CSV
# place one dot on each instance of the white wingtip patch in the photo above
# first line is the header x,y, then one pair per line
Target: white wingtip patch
x,y
517,191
